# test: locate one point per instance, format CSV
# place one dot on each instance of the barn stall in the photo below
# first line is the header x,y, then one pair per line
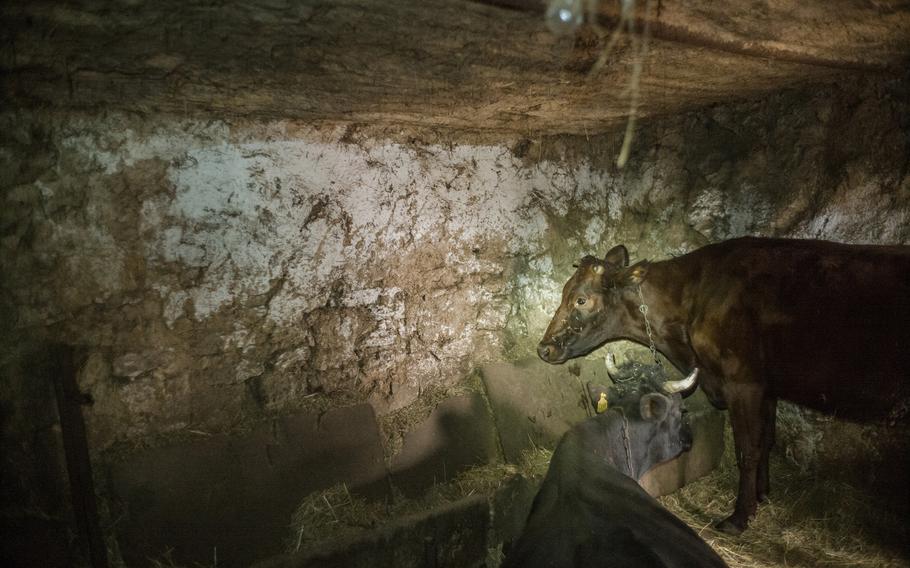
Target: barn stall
x,y
273,273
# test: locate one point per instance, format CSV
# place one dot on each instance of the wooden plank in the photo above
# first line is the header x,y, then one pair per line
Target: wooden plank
x,y
62,370
483,66
841,34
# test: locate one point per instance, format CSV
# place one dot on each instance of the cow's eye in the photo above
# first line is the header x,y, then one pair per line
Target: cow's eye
x,y
581,301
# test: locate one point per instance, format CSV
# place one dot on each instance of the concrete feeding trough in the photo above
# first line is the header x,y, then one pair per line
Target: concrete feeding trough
x,y
457,492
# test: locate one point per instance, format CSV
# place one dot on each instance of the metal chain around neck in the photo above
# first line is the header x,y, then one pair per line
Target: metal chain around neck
x,y
643,308
626,442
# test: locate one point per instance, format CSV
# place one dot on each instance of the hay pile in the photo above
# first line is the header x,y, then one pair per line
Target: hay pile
x,y
337,514
809,520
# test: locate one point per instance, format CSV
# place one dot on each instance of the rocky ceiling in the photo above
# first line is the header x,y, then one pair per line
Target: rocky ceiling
x,y
482,66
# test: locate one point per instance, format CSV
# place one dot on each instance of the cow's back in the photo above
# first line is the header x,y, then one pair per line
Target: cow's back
x,y
824,324
588,514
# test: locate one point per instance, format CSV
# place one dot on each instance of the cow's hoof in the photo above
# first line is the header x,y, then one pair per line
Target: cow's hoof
x,y
730,526
762,489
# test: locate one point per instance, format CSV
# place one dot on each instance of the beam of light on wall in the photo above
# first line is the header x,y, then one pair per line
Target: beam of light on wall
x,y
539,295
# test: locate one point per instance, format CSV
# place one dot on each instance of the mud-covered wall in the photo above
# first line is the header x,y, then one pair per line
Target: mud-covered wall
x,y
217,272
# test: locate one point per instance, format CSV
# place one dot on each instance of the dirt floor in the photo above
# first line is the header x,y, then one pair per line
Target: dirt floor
x,y
811,519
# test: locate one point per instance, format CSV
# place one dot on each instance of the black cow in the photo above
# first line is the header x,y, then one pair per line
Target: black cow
x,y
822,324
590,511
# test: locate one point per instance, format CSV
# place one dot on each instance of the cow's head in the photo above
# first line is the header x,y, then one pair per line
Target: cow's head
x,y
643,425
647,409
595,306
586,494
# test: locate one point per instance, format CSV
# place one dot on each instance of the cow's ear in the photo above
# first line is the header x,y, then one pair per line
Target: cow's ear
x,y
637,273
618,256
654,407
632,276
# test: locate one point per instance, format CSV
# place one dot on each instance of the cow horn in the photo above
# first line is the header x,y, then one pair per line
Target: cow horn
x,y
612,369
671,387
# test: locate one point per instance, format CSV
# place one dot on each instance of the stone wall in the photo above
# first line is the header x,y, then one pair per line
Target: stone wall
x,y
218,272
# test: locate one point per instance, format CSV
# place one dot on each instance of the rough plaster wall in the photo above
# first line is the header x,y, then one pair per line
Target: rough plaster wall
x,y
217,271
221,271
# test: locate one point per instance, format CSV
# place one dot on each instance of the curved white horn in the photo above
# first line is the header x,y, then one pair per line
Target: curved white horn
x,y
612,369
671,387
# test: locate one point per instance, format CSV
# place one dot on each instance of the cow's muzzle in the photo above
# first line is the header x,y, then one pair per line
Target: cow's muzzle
x,y
551,353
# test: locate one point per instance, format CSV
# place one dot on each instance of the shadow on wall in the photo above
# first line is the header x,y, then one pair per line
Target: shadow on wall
x,y
233,497
458,434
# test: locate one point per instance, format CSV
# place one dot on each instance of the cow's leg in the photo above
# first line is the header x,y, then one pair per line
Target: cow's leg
x,y
745,406
769,430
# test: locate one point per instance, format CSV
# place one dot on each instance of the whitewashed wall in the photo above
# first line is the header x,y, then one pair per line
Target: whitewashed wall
x,y
220,271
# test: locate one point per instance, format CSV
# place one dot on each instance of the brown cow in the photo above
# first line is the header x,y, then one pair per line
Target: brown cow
x,y
822,324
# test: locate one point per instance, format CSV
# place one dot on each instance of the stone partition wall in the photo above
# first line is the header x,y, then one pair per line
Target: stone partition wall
x,y
220,271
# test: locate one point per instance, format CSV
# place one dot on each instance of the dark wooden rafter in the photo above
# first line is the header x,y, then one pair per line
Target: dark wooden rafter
x,y
839,34
485,65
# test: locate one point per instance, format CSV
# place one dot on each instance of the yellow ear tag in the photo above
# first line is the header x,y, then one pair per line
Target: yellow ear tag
x,y
602,403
